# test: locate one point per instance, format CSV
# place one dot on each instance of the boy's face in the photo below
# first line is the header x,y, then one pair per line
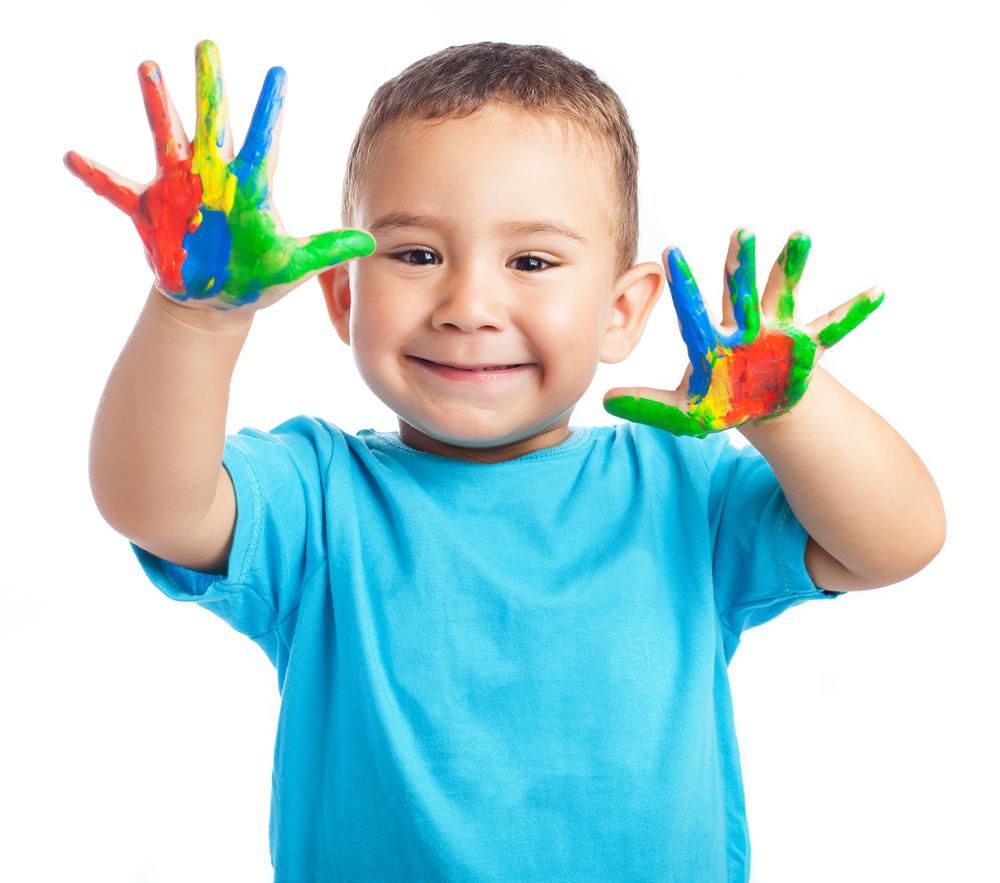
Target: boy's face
x,y
461,276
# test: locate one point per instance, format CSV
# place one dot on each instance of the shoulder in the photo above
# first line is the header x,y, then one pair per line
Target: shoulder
x,y
647,442
302,431
302,442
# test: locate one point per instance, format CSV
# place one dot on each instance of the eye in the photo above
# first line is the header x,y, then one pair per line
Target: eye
x,y
535,262
422,252
423,257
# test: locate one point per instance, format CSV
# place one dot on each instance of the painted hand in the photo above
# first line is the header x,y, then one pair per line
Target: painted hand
x,y
206,220
749,368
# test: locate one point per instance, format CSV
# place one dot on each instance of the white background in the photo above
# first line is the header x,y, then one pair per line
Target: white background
x,y
138,732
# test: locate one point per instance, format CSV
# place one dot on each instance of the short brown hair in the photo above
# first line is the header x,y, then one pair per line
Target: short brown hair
x,y
457,81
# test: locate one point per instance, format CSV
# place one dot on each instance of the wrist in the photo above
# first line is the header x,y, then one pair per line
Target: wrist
x,y
758,432
202,318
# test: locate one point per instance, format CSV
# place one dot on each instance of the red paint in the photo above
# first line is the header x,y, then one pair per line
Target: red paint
x,y
154,96
758,377
101,183
164,217
165,211
162,214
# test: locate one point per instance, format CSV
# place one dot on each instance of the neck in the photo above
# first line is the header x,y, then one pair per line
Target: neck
x,y
546,438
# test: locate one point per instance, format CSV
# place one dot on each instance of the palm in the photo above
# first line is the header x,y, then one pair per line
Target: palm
x,y
757,364
206,220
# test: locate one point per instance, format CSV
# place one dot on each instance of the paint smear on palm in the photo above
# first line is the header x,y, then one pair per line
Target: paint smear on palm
x,y
230,225
752,374
205,221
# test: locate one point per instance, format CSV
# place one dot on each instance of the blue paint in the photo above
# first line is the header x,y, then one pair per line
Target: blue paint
x,y
208,249
696,326
255,148
743,295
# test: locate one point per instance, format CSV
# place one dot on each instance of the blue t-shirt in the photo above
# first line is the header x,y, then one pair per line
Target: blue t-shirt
x,y
503,672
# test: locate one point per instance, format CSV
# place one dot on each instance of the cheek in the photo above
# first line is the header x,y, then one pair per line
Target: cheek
x,y
380,315
376,330
567,331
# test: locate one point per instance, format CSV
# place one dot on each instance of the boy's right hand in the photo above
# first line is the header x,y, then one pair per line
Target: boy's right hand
x,y
212,236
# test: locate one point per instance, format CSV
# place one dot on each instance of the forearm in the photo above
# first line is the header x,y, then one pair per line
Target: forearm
x,y
159,431
857,487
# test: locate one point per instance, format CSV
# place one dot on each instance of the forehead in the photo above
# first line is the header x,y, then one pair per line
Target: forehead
x,y
498,161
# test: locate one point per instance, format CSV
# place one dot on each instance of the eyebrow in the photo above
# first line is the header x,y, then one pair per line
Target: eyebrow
x,y
396,220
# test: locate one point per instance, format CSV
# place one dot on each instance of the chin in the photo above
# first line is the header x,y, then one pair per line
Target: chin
x,y
486,430
468,435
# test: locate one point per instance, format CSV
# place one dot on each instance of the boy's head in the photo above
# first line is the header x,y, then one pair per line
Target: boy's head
x,y
499,182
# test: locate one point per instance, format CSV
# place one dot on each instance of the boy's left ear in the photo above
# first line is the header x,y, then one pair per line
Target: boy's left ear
x,y
636,292
336,285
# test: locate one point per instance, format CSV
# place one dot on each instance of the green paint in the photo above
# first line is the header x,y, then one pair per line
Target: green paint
x,y
743,288
722,401
793,260
803,359
658,414
262,257
861,310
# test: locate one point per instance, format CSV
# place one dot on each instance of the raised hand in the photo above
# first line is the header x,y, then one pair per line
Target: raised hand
x,y
211,234
746,369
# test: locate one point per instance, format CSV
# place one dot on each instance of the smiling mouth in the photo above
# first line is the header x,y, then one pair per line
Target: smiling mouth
x,y
471,372
469,367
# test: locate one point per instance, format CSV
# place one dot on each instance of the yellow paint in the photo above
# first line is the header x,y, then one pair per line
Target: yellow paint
x,y
218,184
717,399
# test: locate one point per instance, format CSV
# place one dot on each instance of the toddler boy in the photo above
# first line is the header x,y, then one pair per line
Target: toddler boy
x,y
501,641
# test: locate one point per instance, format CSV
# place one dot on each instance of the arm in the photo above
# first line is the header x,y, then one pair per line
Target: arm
x,y
219,253
871,509
868,503
156,446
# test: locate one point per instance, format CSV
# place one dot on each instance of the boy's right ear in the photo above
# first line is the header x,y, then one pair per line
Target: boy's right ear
x,y
336,285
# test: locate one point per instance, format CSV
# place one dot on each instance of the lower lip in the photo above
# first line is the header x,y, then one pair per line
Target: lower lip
x,y
492,374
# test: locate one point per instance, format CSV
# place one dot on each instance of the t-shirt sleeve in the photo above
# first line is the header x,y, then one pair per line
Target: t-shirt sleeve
x,y
758,559
279,539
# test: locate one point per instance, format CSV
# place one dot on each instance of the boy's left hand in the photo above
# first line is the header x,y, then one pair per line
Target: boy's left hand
x,y
752,367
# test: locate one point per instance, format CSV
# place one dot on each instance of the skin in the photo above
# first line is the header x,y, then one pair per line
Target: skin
x,y
219,254
457,289
463,290
758,363
212,236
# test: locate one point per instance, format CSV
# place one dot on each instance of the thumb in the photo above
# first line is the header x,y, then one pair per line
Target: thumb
x,y
327,249
664,409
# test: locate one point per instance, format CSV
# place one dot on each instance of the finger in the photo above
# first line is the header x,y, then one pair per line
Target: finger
x,y
212,121
740,306
168,132
645,407
259,152
779,293
697,328
326,250
837,324
120,192
212,145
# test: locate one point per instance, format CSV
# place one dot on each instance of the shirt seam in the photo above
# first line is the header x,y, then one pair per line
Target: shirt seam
x,y
326,556
255,531
781,568
778,557
546,454
721,613
255,524
305,585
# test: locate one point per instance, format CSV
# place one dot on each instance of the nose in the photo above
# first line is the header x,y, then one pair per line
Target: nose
x,y
469,298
